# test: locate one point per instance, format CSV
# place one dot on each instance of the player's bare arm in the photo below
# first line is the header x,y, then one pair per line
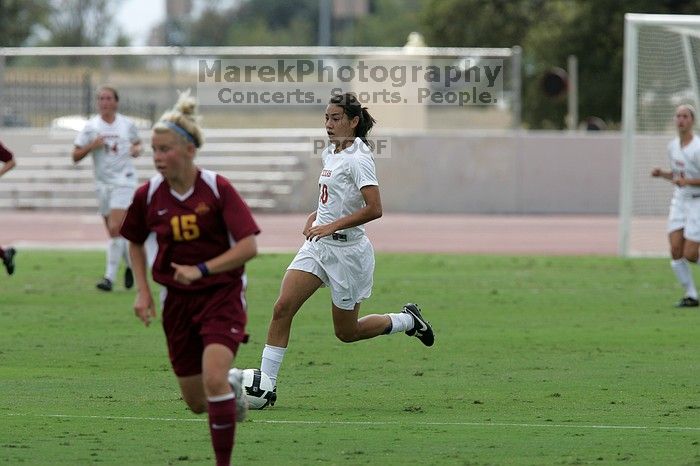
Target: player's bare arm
x,y
371,211
7,166
239,254
144,307
683,181
659,173
309,221
79,153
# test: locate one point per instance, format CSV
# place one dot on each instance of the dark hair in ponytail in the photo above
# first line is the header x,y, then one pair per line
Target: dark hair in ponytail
x,y
353,108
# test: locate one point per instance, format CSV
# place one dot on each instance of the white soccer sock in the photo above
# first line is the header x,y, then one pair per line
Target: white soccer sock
x,y
685,276
125,251
114,256
272,357
400,322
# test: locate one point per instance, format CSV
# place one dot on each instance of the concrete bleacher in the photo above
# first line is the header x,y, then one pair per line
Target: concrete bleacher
x,y
265,166
450,172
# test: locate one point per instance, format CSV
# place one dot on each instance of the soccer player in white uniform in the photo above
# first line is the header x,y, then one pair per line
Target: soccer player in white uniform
x,y
113,141
7,256
684,214
336,252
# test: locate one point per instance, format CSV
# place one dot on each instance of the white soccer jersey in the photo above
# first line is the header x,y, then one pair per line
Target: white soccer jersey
x,y
112,163
342,177
686,161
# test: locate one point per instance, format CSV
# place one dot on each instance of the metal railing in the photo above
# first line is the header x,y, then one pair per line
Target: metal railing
x,y
36,98
155,73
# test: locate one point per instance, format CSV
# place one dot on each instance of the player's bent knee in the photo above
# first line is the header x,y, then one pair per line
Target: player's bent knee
x,y
214,383
199,409
282,310
345,336
197,406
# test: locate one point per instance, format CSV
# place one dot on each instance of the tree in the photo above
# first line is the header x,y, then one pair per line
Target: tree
x,y
259,22
81,23
212,27
476,23
388,24
18,19
274,22
550,31
593,31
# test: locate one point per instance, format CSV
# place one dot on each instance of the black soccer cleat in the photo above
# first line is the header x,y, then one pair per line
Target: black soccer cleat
x,y
687,301
105,285
9,260
128,278
273,397
421,327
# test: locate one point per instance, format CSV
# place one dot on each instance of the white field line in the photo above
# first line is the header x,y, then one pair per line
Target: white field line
x,y
370,423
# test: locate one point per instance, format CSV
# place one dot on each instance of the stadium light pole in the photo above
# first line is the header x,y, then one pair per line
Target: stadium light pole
x,y
324,23
516,85
2,86
572,93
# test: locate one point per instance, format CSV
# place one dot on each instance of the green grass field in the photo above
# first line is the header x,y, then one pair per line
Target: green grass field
x,y
538,361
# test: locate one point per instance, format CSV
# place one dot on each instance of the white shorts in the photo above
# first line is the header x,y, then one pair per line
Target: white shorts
x,y
347,268
684,214
111,197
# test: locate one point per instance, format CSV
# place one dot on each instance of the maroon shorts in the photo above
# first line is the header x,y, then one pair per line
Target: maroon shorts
x,y
193,320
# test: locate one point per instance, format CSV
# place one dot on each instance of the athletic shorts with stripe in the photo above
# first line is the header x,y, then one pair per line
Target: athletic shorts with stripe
x,y
193,320
347,268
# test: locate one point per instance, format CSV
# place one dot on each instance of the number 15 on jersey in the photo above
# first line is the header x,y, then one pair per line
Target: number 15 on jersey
x,y
185,227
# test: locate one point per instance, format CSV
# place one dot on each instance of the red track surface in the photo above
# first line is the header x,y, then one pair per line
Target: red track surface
x,y
477,234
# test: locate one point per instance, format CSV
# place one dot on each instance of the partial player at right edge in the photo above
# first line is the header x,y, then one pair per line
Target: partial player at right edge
x,y
337,253
684,214
7,256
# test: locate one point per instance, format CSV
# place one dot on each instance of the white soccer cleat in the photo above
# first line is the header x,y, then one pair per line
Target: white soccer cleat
x,y
235,379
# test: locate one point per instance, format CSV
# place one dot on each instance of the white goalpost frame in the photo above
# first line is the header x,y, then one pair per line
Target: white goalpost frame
x,y
633,21
629,112
687,52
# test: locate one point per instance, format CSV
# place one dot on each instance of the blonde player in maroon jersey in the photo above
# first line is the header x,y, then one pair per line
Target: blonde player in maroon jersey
x,y
8,163
337,253
684,214
205,234
113,142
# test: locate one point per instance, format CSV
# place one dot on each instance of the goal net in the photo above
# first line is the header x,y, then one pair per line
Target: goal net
x,y
661,69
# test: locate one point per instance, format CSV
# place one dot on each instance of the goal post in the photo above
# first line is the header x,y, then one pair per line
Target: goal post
x,y
660,71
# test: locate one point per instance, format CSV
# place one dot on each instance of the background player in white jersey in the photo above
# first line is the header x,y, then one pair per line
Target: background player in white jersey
x,y
113,141
684,214
336,252
7,256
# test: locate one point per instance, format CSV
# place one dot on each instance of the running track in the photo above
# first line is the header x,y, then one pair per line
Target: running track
x,y
475,234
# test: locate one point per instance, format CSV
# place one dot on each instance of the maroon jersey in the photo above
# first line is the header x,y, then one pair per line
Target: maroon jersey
x,y
5,154
190,228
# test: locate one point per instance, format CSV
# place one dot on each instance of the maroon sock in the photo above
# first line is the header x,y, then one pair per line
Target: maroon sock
x,y
222,426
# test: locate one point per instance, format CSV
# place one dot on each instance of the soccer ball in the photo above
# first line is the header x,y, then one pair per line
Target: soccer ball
x,y
258,389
